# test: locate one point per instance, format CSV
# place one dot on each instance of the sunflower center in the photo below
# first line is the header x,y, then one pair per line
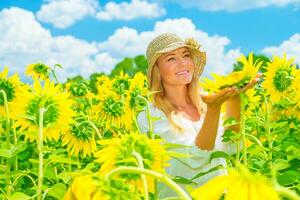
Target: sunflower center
x,y
113,107
50,115
8,88
78,89
134,101
41,69
82,131
282,79
120,85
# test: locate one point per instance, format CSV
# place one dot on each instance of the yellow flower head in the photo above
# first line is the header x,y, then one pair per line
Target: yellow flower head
x,y
38,71
138,86
112,110
279,79
91,187
120,83
119,152
11,86
80,137
238,78
76,89
56,118
239,184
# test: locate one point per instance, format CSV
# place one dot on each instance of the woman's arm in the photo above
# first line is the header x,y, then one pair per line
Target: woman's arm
x,y
233,109
207,135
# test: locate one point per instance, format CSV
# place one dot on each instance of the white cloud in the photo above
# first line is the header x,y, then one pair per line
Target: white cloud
x,y
23,41
131,10
20,45
235,5
106,62
64,13
290,47
128,42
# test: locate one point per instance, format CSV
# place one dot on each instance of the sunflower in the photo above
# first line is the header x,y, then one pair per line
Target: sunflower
x,y
58,114
91,187
239,184
237,78
119,152
80,137
38,71
112,110
76,89
294,98
138,86
279,79
121,83
11,86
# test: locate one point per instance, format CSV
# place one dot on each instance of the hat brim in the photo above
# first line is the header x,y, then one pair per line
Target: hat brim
x,y
198,56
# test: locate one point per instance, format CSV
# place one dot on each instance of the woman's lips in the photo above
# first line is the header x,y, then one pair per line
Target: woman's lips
x,y
185,72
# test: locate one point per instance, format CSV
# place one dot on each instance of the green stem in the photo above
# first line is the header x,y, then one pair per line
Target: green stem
x,y
139,159
95,128
136,124
7,131
237,155
269,136
182,194
15,143
54,75
242,127
286,192
40,151
150,132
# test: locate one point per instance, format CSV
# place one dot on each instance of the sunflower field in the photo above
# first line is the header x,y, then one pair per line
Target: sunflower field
x,y
80,140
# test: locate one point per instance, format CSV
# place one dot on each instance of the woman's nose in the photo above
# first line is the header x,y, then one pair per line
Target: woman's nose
x,y
182,61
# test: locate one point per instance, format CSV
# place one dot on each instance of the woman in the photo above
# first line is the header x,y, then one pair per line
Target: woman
x,y
187,116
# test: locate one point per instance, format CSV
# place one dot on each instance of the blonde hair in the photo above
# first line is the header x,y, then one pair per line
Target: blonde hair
x,y
160,100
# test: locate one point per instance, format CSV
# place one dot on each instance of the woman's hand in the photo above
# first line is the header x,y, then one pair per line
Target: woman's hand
x,y
217,99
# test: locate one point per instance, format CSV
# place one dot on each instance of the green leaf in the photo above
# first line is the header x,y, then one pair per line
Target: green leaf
x,y
230,121
182,180
65,176
58,190
218,167
280,164
219,154
19,196
175,146
62,159
59,66
230,136
13,151
288,177
178,155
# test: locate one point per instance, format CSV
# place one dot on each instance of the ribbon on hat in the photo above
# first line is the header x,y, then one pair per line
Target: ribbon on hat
x,y
192,42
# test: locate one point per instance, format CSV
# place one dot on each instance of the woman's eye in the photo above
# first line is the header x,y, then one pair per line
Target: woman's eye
x,y
171,58
187,55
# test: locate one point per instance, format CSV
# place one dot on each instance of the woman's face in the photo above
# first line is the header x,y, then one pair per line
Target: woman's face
x,y
176,67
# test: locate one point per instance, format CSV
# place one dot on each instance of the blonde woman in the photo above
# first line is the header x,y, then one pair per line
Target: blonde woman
x,y
187,116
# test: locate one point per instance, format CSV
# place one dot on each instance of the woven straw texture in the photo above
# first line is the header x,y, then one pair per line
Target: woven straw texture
x,y
167,42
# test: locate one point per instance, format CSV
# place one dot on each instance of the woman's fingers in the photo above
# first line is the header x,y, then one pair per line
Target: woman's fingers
x,y
252,83
220,97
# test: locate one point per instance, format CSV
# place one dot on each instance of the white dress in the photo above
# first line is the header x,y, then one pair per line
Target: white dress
x,y
199,160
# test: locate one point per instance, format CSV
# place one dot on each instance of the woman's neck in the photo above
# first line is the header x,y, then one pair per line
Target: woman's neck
x,y
178,95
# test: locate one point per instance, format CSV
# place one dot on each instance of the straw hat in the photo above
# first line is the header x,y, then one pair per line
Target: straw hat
x,y
167,42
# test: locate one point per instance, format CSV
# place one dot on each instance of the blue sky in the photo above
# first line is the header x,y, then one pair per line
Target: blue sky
x,y
104,32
